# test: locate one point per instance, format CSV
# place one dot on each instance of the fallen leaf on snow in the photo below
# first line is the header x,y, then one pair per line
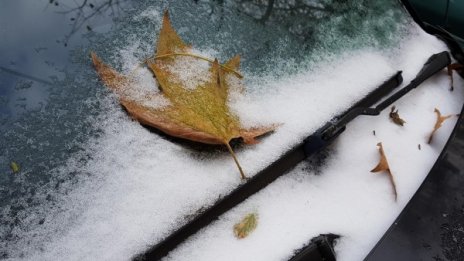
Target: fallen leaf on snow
x,y
246,226
438,123
199,113
395,117
383,166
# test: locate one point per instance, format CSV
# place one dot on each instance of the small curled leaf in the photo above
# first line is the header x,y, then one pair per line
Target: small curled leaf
x,y
246,226
383,166
15,167
438,123
395,117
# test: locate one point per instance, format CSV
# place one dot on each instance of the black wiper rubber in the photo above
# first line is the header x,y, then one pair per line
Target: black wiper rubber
x,y
314,143
319,248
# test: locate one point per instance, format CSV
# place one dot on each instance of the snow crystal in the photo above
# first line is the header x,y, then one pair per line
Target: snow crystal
x,y
144,88
190,72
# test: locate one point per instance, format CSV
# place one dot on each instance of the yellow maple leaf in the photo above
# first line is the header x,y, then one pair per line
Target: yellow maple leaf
x,y
199,114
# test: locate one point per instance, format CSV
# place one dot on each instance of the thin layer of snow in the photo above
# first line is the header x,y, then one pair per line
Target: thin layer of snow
x,y
142,187
151,13
190,72
344,197
143,88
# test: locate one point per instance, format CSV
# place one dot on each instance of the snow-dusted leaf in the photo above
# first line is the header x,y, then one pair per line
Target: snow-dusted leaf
x,y
438,123
383,166
395,117
246,226
199,112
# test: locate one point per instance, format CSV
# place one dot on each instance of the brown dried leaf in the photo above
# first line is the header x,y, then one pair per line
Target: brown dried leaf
x,y
383,166
200,114
454,67
246,226
395,117
438,123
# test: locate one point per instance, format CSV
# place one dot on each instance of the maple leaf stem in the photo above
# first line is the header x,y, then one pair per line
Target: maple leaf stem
x,y
242,174
196,56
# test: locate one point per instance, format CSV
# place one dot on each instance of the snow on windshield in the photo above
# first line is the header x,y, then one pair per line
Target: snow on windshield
x,y
120,188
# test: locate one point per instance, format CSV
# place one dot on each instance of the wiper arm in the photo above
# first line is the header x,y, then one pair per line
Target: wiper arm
x,y
331,130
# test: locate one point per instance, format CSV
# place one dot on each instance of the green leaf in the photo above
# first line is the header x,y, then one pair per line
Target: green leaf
x,y
15,167
246,226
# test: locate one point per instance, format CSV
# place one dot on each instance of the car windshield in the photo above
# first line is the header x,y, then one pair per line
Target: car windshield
x,y
82,180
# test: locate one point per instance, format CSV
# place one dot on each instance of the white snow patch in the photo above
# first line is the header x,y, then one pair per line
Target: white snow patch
x,y
190,72
145,89
344,197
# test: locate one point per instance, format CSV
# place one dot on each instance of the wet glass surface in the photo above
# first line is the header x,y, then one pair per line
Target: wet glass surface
x,y
51,100
42,118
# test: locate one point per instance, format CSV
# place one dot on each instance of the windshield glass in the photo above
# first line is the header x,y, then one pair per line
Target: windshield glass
x,y
91,183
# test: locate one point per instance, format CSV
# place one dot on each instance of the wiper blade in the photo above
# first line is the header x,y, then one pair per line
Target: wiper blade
x,y
311,145
332,129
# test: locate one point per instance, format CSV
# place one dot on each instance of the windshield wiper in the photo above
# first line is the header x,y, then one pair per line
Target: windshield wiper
x,y
311,145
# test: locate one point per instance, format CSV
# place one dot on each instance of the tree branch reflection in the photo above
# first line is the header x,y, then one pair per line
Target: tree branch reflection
x,y
299,16
82,13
